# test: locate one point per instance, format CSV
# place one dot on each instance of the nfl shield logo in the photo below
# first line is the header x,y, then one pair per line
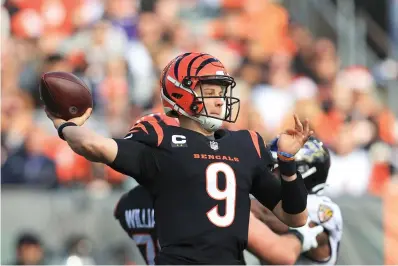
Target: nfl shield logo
x,y
214,145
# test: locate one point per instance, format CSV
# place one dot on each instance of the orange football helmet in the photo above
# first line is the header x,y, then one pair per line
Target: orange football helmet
x,y
182,75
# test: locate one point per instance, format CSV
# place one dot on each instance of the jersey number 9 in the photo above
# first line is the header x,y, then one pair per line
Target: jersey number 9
x,y
228,194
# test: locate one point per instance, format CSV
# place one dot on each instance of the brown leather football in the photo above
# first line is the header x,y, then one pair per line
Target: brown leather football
x,y
65,95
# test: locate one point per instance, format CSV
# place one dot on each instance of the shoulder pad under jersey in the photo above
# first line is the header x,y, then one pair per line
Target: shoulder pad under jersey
x,y
149,132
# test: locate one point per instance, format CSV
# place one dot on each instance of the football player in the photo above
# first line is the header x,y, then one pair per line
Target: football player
x,y
135,213
199,175
313,162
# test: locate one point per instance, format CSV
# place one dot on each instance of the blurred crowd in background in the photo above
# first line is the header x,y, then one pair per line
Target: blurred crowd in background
x,y
119,47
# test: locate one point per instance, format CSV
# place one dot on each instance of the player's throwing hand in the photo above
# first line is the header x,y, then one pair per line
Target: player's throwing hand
x,y
291,141
77,120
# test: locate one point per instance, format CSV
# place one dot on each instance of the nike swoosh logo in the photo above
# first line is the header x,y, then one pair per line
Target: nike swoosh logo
x,y
129,136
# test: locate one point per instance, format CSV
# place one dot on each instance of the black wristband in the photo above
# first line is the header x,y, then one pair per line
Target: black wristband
x,y
64,125
287,168
294,195
299,236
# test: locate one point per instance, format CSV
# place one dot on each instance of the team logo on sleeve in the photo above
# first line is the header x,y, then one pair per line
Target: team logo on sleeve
x,y
324,213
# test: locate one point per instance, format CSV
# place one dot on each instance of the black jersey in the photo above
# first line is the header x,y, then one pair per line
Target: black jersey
x,y
137,217
200,188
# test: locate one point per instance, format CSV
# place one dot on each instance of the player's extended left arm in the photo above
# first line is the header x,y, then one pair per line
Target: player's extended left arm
x,y
286,196
292,209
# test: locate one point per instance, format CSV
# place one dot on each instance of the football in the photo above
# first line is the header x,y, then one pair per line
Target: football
x,y
65,95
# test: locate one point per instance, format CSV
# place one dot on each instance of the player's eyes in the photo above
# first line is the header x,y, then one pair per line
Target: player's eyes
x,y
221,93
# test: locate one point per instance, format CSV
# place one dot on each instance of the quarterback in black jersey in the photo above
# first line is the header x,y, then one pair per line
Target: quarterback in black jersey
x,y
199,176
135,214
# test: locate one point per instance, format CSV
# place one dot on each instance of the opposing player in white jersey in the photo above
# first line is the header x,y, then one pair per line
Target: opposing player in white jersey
x,y
313,162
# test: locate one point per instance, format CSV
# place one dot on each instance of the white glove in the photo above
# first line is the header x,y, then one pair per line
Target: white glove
x,y
308,235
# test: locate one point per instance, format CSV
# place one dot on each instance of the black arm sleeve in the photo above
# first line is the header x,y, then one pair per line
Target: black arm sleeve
x,y
266,186
136,160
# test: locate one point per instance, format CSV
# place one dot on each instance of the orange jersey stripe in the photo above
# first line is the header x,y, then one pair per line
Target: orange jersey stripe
x,y
155,124
254,137
158,129
140,125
